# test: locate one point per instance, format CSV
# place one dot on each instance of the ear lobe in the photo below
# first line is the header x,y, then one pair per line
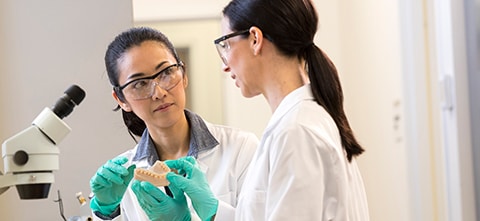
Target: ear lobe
x,y
125,106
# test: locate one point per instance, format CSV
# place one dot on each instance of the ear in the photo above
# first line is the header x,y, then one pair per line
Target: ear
x,y
125,106
185,81
257,39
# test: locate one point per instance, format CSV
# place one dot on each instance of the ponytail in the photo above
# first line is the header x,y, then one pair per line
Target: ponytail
x,y
135,125
327,92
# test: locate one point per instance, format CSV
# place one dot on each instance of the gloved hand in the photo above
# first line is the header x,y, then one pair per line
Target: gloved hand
x,y
195,185
109,185
157,205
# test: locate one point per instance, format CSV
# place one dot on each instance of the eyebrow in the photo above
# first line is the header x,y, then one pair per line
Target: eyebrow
x,y
138,75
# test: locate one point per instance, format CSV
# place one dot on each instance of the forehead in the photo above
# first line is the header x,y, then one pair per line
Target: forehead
x,y
143,59
147,51
225,25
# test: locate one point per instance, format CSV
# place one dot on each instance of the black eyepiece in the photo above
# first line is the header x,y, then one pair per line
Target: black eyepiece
x,y
64,106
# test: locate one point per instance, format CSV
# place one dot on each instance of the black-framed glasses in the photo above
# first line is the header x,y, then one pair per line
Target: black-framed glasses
x,y
222,45
143,88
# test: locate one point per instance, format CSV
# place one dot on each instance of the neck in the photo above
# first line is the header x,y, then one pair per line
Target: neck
x,y
286,76
172,142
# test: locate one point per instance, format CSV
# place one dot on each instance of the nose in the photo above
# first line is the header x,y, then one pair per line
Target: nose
x,y
157,91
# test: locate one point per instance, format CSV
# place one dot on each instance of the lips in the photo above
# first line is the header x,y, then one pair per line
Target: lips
x,y
163,107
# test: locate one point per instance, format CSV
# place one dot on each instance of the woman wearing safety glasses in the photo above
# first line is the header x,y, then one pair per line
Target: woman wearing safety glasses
x,y
304,167
149,82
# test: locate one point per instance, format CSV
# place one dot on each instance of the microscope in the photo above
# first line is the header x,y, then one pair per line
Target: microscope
x,y
31,156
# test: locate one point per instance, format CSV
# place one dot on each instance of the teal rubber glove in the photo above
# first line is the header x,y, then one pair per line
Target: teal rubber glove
x,y
157,205
109,184
195,185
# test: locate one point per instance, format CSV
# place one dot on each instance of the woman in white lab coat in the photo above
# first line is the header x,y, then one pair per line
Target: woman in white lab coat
x,y
149,83
304,168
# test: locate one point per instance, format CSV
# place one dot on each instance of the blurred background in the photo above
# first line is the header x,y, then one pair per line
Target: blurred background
x,y
410,72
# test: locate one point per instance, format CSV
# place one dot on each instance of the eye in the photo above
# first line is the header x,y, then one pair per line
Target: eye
x,y
167,72
170,70
140,84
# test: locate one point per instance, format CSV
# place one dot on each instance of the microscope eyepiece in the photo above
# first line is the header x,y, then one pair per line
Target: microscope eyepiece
x,y
64,106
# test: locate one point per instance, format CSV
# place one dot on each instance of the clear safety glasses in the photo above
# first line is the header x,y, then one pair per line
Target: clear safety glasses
x,y
143,88
222,45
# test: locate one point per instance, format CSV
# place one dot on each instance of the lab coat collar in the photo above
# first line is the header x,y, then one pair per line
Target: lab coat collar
x,y
290,101
200,140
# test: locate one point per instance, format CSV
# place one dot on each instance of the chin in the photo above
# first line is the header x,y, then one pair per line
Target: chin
x,y
248,94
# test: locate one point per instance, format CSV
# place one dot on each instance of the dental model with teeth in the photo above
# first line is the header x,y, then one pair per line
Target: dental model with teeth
x,y
156,175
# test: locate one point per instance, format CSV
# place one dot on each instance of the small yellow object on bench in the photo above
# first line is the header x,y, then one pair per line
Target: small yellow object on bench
x,y
156,174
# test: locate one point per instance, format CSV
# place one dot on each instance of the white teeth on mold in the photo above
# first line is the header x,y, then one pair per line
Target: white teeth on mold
x,y
156,174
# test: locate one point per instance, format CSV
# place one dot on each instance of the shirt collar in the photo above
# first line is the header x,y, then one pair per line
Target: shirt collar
x,y
200,140
290,101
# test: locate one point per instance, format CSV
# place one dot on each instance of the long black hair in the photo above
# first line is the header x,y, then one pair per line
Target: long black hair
x,y
116,49
291,26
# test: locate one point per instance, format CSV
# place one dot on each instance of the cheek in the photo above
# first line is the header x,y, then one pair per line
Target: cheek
x,y
244,72
240,63
140,108
179,94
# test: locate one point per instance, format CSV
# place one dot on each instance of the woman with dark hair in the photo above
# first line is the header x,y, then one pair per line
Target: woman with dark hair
x,y
149,82
304,167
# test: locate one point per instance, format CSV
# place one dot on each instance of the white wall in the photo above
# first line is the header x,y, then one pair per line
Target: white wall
x,y
147,10
45,47
371,74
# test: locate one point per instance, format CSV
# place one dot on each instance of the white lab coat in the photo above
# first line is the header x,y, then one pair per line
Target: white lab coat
x,y
225,166
300,170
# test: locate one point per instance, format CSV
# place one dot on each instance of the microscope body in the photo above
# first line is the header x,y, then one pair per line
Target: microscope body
x,y
31,156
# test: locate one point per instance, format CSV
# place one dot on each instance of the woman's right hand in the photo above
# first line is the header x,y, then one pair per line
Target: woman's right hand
x,y
109,185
